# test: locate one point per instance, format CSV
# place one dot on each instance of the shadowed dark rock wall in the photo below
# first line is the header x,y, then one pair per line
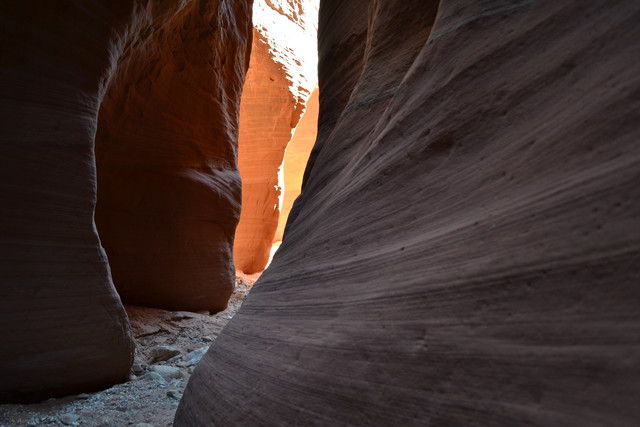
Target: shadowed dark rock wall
x,y
466,247
62,326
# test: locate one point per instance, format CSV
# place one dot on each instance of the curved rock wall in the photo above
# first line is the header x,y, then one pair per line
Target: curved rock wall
x,y
295,159
465,250
166,150
280,79
62,326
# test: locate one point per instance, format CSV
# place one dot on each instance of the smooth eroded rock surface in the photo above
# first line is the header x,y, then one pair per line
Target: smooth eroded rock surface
x,y
281,77
295,159
166,150
466,247
62,326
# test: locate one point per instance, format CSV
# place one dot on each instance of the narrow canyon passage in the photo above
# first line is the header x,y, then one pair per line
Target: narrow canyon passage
x,y
281,78
463,248
168,196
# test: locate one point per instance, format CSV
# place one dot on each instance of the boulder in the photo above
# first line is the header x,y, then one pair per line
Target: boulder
x,y
166,372
155,377
163,352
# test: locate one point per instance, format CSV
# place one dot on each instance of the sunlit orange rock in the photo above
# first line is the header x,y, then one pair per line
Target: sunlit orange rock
x,y
172,73
295,159
466,247
281,77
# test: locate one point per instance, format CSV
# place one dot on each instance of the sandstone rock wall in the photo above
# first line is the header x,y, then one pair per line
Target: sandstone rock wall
x,y
62,326
280,79
166,150
295,160
465,250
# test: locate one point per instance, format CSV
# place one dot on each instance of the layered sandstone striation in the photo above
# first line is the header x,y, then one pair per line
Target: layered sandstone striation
x,y
166,149
465,250
295,160
281,77
172,72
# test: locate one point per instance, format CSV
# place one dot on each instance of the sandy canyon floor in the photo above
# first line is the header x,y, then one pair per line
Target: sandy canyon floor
x,y
169,344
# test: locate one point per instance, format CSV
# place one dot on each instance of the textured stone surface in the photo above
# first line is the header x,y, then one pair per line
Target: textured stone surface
x,y
295,159
466,247
163,352
62,326
166,150
280,79
167,372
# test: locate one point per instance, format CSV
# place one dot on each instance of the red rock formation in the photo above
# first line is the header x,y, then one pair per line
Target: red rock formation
x,y
168,185
465,250
295,159
280,79
63,328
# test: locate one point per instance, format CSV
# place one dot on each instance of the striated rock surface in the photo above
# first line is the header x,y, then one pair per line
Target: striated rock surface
x,y
62,325
295,159
281,77
466,247
166,150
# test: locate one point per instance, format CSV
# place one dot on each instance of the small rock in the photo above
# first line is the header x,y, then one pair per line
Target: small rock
x,y
184,315
153,376
137,369
191,359
174,359
163,352
69,419
207,338
175,394
83,396
167,372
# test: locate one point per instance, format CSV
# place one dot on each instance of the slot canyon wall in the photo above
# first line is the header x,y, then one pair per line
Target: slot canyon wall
x,y
172,73
296,158
166,150
281,77
466,247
